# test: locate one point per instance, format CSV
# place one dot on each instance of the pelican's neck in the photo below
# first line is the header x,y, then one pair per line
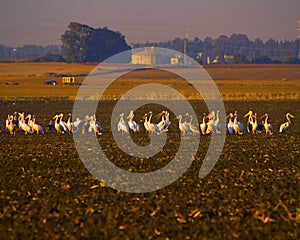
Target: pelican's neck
x,y
266,120
235,119
150,118
255,121
180,118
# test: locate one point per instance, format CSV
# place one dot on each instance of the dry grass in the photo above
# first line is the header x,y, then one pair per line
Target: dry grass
x,y
235,82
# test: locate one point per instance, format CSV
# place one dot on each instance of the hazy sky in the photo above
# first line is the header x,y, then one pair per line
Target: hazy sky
x,y
44,21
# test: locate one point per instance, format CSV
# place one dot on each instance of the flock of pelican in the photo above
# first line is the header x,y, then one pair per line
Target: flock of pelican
x,y
18,121
210,124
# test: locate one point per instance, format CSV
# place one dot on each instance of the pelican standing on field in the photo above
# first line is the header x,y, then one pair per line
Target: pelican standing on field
x,y
59,128
70,124
230,124
131,123
122,125
96,125
167,120
181,125
268,127
203,125
10,126
211,125
164,124
217,125
286,126
193,128
145,117
237,126
34,126
23,125
152,126
77,124
250,121
62,123
187,125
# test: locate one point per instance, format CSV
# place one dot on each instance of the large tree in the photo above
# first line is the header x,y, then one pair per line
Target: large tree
x,y
82,43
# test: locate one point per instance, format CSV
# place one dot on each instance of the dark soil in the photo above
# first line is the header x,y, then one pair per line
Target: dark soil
x,y
253,192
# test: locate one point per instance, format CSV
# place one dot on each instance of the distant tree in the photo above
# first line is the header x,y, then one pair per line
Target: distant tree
x,y
82,43
240,59
263,59
291,60
235,45
48,58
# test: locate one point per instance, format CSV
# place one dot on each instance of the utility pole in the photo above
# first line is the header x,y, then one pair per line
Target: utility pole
x,y
298,39
185,40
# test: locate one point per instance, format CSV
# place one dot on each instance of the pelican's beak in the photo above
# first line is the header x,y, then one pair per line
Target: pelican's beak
x,y
246,115
129,115
263,116
160,114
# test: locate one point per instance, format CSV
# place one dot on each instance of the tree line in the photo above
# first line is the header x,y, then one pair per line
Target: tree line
x,y
82,43
237,46
27,52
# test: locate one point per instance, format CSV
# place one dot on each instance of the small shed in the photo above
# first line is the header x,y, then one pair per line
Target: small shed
x,y
174,60
68,80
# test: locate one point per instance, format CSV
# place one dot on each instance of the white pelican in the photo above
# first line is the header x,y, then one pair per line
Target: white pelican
x,y
165,123
237,126
10,126
70,125
23,125
122,125
187,125
254,125
268,127
50,127
86,124
217,125
210,128
145,117
152,126
167,120
285,126
250,122
194,129
59,128
34,126
131,123
161,124
77,124
230,124
211,124
203,125
96,125
181,125
62,123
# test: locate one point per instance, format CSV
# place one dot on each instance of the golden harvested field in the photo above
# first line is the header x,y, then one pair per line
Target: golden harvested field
x,y
47,192
235,82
